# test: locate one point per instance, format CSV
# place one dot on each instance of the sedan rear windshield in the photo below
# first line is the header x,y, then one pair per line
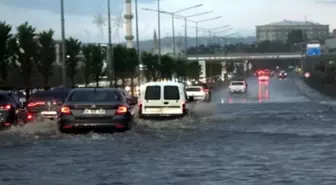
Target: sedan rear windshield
x,y
237,83
95,96
48,95
193,89
4,99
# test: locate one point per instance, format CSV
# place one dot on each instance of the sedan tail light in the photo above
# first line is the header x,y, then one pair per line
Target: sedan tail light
x,y
32,104
65,110
5,107
122,110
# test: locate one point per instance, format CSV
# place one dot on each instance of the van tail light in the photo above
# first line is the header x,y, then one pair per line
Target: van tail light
x,y
122,110
206,90
5,107
32,104
184,105
65,110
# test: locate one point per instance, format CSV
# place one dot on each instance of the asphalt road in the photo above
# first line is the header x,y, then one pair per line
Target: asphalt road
x,y
273,135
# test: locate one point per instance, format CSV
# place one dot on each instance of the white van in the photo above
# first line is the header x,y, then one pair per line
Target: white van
x,y
162,99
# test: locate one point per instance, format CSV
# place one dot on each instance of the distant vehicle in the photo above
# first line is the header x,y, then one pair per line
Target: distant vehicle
x,y
95,108
12,111
282,74
163,99
198,92
238,87
262,72
46,103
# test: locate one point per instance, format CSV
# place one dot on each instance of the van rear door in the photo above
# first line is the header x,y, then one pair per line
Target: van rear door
x,y
172,103
152,100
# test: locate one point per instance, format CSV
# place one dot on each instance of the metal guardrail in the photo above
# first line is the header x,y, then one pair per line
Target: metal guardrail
x,y
251,57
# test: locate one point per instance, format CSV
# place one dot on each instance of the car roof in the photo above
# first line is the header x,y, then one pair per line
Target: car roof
x,y
163,83
93,89
198,86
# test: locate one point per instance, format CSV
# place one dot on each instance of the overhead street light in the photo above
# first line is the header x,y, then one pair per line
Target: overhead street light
x,y
222,31
185,18
110,48
63,58
173,14
200,21
222,38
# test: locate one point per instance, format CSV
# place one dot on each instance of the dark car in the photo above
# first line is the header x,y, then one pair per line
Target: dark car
x,y
282,75
46,103
12,111
95,109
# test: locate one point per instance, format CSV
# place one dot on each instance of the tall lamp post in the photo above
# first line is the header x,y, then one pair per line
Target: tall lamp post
x,y
185,18
63,58
173,14
109,48
138,43
197,23
159,31
210,30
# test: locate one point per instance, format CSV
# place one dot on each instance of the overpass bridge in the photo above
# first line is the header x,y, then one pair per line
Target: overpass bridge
x,y
246,56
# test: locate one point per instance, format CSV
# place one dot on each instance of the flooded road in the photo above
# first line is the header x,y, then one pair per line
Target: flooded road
x,y
272,135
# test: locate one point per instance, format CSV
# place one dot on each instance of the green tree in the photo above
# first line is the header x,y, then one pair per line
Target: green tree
x,y
73,48
96,63
167,67
46,56
87,68
193,70
229,67
181,68
27,52
132,64
5,54
150,61
295,36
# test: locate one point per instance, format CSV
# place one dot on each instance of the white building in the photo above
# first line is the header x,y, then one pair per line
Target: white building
x,y
279,30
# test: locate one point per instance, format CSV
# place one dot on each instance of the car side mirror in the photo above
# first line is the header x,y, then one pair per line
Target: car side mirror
x,y
190,99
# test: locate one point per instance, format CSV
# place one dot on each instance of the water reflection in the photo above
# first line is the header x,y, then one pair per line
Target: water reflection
x,y
263,94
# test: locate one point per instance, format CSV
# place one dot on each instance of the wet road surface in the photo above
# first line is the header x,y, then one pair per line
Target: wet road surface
x,y
272,135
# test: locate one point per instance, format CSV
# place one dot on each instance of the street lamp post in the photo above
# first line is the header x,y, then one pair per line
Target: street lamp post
x,y
64,76
185,18
200,21
210,31
138,42
109,49
159,31
173,14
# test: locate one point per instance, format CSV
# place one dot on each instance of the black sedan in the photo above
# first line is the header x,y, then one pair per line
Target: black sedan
x,y
46,104
12,111
95,109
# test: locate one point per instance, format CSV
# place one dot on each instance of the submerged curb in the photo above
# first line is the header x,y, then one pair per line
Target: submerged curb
x,y
308,91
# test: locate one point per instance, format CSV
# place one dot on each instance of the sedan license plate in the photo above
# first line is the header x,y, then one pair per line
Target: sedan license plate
x,y
97,111
48,112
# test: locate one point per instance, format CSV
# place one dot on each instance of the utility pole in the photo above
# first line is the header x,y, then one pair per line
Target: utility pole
x,y
173,15
110,48
63,58
138,42
159,31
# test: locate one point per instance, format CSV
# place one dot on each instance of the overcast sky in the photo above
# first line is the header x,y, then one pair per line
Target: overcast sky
x,y
242,15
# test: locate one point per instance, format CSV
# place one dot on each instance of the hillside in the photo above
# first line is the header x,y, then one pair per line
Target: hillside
x,y
147,45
